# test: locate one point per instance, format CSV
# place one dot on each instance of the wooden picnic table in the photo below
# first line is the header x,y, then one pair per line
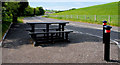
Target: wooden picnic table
x,y
61,28
61,25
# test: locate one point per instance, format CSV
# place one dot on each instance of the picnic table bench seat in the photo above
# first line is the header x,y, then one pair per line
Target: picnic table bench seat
x,y
52,37
51,32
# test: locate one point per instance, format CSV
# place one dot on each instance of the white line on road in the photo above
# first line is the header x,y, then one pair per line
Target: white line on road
x,y
96,36
90,27
85,26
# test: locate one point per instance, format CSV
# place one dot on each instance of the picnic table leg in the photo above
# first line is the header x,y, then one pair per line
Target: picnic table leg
x,y
44,31
33,29
33,36
35,40
59,29
63,30
57,33
47,29
67,36
52,38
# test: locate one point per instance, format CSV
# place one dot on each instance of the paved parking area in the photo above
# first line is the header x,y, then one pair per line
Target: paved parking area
x,y
18,48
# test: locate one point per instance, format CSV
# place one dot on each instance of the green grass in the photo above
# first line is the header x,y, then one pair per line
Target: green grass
x,y
5,25
20,19
101,11
104,9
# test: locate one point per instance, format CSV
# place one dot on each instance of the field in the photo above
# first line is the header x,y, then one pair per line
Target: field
x,y
93,14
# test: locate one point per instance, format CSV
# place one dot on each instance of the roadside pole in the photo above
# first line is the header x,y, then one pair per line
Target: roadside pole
x,y
107,43
104,24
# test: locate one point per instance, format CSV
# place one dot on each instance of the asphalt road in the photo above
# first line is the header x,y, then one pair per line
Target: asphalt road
x,y
85,28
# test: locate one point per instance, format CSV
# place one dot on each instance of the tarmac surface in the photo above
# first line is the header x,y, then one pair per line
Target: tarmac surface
x,y
82,48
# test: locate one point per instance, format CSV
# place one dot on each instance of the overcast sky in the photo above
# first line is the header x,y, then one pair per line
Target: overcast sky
x,y
66,4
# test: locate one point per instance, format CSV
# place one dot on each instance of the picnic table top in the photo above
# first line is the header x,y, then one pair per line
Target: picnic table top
x,y
47,22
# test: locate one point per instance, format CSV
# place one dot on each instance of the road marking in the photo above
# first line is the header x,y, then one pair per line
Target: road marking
x,y
94,35
85,26
118,44
90,27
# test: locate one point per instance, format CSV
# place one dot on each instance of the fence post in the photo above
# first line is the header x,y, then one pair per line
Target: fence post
x,y
107,43
77,16
62,16
95,17
85,17
71,16
109,18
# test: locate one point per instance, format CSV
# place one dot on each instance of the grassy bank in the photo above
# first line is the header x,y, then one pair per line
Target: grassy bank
x,y
5,25
93,14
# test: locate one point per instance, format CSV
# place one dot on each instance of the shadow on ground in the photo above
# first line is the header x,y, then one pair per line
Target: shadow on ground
x,y
114,61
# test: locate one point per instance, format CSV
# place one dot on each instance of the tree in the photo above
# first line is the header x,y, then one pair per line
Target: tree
x,y
22,7
29,11
15,8
41,11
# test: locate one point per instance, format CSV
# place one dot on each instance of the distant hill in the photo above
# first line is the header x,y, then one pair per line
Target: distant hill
x,y
103,9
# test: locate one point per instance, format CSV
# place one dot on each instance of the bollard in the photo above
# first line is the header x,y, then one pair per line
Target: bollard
x,y
104,24
107,43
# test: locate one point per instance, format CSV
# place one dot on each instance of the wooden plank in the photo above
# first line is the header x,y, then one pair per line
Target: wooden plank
x,y
47,22
49,32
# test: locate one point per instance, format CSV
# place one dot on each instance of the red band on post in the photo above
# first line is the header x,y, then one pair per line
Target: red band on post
x,y
107,31
104,23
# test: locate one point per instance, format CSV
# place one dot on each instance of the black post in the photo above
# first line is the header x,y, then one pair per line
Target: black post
x,y
107,43
104,24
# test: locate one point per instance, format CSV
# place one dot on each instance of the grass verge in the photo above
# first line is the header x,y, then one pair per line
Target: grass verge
x,y
112,23
5,25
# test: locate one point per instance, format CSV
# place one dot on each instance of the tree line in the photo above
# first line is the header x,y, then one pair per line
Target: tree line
x,y
17,9
12,10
